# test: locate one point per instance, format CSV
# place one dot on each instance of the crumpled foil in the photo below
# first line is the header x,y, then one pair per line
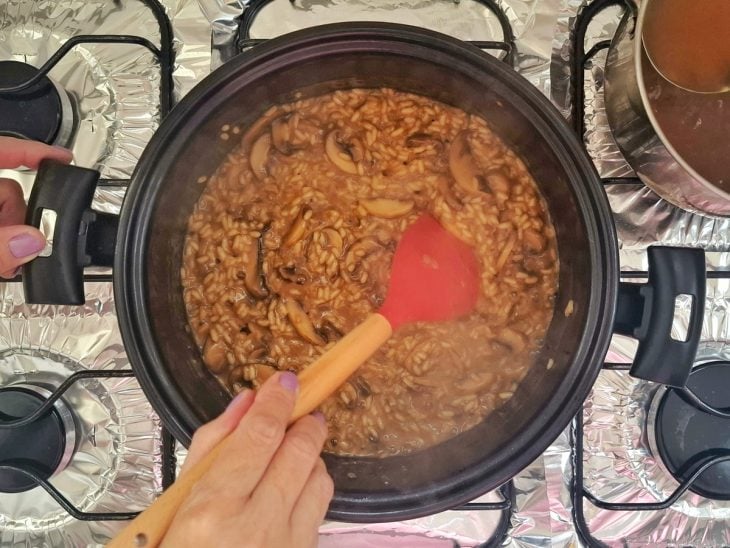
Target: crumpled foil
x,y
619,466
116,91
205,37
116,467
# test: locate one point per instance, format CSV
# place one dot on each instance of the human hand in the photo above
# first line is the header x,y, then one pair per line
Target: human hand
x,y
20,243
269,487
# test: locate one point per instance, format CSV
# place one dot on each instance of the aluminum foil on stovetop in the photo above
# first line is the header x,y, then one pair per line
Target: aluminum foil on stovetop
x,y
532,23
621,467
116,467
114,87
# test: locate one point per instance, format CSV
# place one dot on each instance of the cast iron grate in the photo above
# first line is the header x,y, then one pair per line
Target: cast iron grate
x,y
165,57
167,450
580,59
164,54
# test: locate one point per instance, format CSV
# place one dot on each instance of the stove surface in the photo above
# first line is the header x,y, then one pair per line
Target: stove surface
x,y
123,458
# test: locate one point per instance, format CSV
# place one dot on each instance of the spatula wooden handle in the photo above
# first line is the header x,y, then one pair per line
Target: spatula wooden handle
x,y
316,383
322,377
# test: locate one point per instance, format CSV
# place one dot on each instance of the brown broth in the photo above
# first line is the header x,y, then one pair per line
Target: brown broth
x,y
696,125
689,42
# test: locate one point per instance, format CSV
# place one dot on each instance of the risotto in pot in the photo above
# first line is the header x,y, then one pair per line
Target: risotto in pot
x,y
290,245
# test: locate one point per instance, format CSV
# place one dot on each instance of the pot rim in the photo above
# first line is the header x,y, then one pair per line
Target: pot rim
x,y
638,47
134,230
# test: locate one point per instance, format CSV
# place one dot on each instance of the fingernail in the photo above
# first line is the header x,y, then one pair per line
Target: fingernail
x,y
24,244
238,398
289,381
319,416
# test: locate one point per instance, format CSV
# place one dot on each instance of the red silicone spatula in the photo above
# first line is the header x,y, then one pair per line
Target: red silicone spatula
x,y
434,277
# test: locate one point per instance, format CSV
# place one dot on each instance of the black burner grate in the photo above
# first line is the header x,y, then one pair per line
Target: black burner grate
x,y
165,56
580,59
506,45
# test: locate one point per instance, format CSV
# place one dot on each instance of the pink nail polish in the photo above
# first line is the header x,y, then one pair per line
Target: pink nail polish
x,y
289,381
24,245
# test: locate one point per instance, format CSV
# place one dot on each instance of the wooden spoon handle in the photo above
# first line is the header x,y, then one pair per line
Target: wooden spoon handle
x,y
322,377
316,383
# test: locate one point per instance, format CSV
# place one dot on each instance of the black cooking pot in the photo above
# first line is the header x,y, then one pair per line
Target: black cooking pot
x,y
591,304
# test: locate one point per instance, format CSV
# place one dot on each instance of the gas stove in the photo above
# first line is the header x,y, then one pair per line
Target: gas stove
x,y
81,451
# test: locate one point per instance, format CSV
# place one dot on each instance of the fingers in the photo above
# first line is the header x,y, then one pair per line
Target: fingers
x,y
12,204
18,245
291,466
311,506
257,437
21,152
211,434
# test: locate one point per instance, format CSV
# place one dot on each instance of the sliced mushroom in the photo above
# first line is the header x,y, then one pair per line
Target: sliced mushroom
x,y
281,134
293,274
344,153
214,356
363,388
358,251
302,323
424,140
260,155
512,339
297,229
258,353
253,132
329,331
474,382
461,163
449,197
254,263
387,208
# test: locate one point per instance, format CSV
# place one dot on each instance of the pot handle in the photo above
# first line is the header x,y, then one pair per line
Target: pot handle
x,y
646,312
81,236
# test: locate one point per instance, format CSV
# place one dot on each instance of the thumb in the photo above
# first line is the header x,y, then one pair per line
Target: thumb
x,y
18,245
